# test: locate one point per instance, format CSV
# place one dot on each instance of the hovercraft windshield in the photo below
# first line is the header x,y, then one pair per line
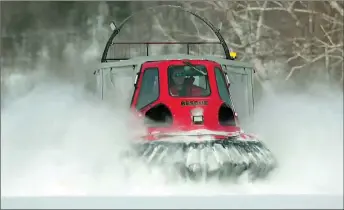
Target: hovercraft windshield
x,y
188,80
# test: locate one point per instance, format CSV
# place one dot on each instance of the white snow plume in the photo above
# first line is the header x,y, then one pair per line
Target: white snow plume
x,y
57,139
305,131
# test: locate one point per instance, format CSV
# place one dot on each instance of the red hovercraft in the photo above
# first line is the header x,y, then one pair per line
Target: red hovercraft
x,y
187,104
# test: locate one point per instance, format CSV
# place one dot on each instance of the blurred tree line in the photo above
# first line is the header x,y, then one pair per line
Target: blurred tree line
x,y
283,39
18,17
28,25
297,34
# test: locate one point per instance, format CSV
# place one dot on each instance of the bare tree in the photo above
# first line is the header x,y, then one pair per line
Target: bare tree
x,y
303,34
299,34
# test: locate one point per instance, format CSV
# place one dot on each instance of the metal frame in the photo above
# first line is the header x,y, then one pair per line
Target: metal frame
x,y
207,22
138,61
122,67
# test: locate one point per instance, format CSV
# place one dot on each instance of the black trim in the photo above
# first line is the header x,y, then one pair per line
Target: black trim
x,y
231,123
135,87
207,22
156,105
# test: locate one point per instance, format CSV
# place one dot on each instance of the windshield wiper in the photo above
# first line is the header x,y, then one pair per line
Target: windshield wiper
x,y
194,67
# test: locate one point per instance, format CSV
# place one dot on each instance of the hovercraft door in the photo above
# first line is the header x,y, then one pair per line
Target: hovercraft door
x,y
115,84
241,89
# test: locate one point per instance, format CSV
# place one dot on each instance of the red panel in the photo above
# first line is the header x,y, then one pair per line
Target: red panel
x,y
182,120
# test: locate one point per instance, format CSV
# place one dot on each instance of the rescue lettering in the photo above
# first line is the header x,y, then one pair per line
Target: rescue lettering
x,y
194,103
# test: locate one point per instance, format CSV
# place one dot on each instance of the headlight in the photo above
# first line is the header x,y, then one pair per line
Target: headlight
x,y
197,116
197,119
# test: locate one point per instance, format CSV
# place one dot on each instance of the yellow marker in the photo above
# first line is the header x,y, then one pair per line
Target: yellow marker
x,y
232,55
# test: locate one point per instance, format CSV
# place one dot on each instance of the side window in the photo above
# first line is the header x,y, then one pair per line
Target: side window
x,y
149,91
222,87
